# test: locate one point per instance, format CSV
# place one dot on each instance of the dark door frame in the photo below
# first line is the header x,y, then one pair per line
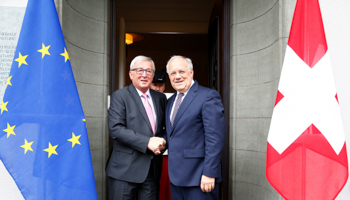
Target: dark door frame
x,y
112,45
225,92
219,77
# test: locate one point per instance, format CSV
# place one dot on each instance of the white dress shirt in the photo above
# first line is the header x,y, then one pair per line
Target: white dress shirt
x,y
177,95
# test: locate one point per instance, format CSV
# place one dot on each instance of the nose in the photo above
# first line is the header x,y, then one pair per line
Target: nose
x,y
177,76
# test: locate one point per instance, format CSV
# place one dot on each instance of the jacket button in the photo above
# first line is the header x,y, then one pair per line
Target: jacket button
x,y
171,137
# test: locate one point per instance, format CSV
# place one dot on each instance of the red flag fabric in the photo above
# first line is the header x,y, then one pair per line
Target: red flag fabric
x,y
306,149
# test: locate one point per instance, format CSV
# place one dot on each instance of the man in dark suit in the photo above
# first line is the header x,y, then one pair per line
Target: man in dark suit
x,y
195,134
136,123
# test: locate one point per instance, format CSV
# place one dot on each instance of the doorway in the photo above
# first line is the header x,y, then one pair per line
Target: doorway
x,y
178,27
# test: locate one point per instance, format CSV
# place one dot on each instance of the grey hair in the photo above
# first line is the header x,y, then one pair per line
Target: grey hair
x,y
139,59
189,62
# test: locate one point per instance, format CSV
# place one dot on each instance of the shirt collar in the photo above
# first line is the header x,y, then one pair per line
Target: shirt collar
x,y
140,93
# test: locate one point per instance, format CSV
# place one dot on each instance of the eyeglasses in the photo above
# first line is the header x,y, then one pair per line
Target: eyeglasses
x,y
140,71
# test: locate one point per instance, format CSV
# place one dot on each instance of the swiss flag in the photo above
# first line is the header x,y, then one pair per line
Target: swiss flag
x,y
306,149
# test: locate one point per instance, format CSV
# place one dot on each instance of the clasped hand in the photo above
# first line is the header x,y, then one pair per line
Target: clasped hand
x,y
156,144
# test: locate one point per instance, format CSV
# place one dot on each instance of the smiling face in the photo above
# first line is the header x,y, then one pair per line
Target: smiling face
x,y
179,74
142,82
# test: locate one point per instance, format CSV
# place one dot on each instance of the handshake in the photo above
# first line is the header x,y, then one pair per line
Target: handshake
x,y
156,144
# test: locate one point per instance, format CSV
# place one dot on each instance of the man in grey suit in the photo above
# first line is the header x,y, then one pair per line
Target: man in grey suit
x,y
136,123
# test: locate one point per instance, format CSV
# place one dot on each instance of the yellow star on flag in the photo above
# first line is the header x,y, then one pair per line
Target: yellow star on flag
x,y
44,50
27,146
9,81
65,55
84,120
9,130
74,140
21,60
3,106
51,150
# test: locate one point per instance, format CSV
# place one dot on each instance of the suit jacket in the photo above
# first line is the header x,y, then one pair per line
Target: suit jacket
x,y
131,130
197,137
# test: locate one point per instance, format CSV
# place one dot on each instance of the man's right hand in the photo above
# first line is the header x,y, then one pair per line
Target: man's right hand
x,y
156,144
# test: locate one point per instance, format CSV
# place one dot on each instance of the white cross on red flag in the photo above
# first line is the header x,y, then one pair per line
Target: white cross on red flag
x,y
306,149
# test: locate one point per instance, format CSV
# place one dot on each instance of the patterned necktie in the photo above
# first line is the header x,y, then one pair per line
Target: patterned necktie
x,y
149,112
177,105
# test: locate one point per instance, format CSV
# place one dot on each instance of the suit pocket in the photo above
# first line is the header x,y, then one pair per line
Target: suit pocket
x,y
123,149
194,153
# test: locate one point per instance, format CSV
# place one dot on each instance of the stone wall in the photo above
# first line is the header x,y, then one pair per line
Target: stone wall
x,y
259,34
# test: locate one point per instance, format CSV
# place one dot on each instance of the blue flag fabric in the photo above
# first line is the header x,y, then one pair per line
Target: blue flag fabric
x,y
43,138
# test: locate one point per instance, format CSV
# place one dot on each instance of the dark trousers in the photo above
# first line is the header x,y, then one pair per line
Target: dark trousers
x,y
122,190
193,193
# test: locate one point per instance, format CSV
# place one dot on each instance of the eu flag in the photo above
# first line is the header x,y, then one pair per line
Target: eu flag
x,y
43,139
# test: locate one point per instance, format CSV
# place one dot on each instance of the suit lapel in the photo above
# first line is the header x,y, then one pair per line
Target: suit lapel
x,y
168,112
186,102
156,107
139,105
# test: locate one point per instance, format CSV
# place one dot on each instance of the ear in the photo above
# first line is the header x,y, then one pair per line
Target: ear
x,y
130,75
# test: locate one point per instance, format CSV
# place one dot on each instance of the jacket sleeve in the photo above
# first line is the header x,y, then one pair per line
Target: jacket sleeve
x,y
214,130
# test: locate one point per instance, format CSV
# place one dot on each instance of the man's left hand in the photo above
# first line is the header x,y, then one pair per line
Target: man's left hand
x,y
207,183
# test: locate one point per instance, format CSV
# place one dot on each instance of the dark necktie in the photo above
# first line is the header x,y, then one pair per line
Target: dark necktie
x,y
177,105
